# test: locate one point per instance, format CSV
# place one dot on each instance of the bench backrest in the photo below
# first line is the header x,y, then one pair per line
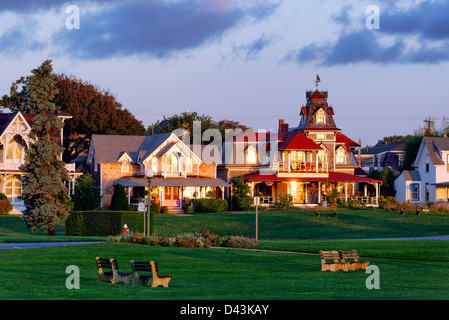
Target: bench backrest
x,y
329,255
141,266
106,263
350,254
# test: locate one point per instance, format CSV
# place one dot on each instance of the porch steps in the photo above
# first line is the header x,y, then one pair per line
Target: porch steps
x,y
176,211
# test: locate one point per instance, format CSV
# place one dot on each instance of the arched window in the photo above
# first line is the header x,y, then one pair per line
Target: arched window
x,y
13,188
341,155
125,166
154,165
14,150
172,163
321,117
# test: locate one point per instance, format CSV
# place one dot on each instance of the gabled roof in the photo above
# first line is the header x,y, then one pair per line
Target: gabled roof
x,y
341,138
432,144
411,175
110,148
390,147
296,140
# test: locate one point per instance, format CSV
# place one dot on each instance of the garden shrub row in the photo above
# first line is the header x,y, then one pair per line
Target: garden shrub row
x,y
204,239
205,205
102,223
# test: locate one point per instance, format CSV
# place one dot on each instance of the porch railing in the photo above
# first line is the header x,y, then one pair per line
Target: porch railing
x,y
302,166
174,174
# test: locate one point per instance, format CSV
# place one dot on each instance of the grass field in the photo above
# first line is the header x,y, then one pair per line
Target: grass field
x,y
412,270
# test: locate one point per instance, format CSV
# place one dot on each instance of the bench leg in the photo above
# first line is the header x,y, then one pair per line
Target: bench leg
x,y
161,281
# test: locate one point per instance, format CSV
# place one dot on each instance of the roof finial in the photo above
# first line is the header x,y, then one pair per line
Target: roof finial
x,y
317,81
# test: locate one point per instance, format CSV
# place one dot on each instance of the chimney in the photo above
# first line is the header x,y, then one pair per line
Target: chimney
x,y
283,127
360,153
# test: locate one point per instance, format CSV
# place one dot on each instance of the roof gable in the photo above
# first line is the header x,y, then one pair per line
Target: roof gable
x,y
297,141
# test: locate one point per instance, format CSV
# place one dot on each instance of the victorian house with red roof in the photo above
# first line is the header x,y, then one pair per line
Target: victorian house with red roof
x,y
15,138
306,161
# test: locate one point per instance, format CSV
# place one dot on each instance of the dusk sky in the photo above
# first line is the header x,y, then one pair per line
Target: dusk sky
x,y
245,60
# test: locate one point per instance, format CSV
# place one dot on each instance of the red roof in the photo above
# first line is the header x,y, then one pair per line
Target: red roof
x,y
257,136
344,139
273,177
317,96
346,177
296,140
333,177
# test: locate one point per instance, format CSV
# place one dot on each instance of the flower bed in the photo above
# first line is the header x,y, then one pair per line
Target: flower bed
x,y
204,239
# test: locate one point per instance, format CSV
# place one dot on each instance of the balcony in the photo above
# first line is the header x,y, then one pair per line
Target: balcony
x,y
174,174
302,166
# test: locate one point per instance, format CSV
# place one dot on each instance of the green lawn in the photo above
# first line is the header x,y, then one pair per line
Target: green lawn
x,y
408,269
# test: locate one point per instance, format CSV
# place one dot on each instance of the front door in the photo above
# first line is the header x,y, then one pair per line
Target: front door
x,y
171,197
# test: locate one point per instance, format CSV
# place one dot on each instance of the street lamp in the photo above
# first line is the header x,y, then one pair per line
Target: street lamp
x,y
149,173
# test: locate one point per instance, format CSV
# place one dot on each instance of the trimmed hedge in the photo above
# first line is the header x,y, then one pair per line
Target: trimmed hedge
x,y
102,223
209,205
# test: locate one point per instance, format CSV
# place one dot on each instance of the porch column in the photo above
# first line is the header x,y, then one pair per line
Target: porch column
x,y
316,161
129,195
377,193
222,193
319,192
288,161
346,192
366,189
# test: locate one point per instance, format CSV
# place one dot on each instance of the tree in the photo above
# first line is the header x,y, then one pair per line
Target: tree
x,y
186,120
411,148
241,193
87,194
119,200
44,180
93,110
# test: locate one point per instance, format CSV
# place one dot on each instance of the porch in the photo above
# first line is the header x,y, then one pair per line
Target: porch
x,y
174,193
313,191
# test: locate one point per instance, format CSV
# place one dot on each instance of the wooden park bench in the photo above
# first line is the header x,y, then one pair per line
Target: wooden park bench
x,y
405,206
113,276
153,267
330,260
352,256
321,209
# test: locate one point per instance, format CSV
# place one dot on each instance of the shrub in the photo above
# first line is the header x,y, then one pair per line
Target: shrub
x,y
210,205
87,194
285,202
119,200
5,206
204,239
102,223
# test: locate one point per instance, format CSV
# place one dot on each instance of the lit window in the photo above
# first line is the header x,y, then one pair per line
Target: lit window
x,y
251,156
321,117
154,165
414,192
320,136
341,156
125,166
427,163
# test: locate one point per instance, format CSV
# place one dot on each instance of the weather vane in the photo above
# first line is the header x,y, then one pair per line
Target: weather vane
x,y
317,81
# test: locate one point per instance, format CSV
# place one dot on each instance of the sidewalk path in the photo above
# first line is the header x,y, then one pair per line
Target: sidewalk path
x,y
413,238
27,245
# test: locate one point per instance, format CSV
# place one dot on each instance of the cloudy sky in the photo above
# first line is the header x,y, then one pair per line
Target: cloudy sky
x,y
246,60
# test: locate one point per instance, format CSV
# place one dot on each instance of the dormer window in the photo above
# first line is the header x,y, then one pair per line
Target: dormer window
x,y
341,156
251,155
125,166
154,165
321,117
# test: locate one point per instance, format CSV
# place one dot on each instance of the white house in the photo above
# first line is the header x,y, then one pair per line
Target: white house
x,y
429,181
